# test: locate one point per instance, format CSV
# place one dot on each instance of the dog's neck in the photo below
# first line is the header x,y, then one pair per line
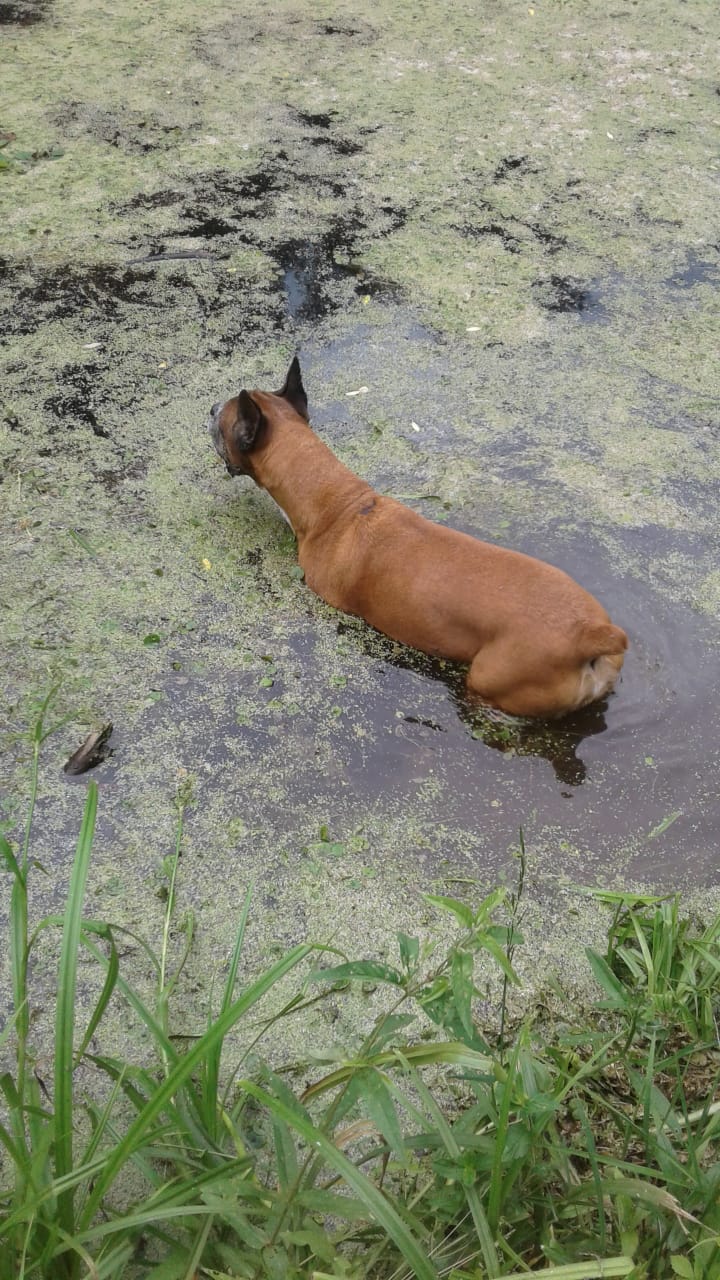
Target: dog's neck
x,y
310,485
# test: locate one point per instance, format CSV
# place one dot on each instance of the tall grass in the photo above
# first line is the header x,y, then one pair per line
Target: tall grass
x,y
580,1149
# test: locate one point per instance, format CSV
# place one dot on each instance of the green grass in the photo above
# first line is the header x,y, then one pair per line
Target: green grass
x,y
441,1145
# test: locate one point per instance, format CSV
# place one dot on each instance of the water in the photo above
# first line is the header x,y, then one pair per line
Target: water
x,y
627,786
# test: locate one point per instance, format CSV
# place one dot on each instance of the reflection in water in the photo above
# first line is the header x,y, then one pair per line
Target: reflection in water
x,y
310,270
556,741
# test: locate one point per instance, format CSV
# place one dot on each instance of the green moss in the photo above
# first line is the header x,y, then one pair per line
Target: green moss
x,y
535,296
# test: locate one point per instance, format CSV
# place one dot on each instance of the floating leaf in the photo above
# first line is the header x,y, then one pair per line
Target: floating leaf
x,y
666,822
92,752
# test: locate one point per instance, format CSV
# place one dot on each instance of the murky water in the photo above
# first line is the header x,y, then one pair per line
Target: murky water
x,y
499,267
627,786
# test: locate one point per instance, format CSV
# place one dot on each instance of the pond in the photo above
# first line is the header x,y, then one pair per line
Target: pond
x,y
493,240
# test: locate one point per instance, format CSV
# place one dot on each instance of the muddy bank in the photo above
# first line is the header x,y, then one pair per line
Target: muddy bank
x,y
505,228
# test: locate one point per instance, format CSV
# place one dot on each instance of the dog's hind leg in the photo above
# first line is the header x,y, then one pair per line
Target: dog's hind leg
x,y
524,685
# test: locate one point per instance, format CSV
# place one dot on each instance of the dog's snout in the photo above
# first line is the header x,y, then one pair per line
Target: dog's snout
x,y
216,408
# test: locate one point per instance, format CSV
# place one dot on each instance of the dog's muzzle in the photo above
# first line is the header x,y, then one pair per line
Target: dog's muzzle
x,y
213,427
215,433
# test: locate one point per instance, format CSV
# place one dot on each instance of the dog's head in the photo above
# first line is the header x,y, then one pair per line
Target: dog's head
x,y
239,426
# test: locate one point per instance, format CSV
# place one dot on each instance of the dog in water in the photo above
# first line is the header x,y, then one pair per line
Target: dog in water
x,y
536,643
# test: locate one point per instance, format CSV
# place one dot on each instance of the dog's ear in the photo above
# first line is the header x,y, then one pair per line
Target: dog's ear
x,y
249,423
294,391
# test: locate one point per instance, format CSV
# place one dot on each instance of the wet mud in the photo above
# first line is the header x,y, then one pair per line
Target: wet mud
x,y
494,244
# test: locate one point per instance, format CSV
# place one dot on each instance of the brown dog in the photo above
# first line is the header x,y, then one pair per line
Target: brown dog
x,y
536,642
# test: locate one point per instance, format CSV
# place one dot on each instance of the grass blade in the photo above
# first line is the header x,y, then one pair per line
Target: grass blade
x,y
444,1130
379,1208
103,1000
604,976
507,1090
449,1052
211,1093
595,1270
183,1068
65,1013
374,1093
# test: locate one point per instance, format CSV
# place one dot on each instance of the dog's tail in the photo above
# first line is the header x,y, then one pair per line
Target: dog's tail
x,y
604,652
604,640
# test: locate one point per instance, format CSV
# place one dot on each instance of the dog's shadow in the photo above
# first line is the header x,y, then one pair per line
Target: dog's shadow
x,y
556,741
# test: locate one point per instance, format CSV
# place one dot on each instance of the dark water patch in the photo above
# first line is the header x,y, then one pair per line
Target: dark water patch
x,y
42,294
645,218
96,297
322,183
509,238
107,286
655,131
334,29
149,200
11,419
236,311
311,273
317,119
224,205
321,123
23,13
132,131
307,276
112,479
698,269
394,216
178,255
506,238
564,295
513,164
77,399
341,146
699,495
254,559
217,202
209,228
240,188
552,242
315,275
312,270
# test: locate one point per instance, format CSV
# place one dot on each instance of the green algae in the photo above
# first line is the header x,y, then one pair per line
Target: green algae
x,y
505,164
